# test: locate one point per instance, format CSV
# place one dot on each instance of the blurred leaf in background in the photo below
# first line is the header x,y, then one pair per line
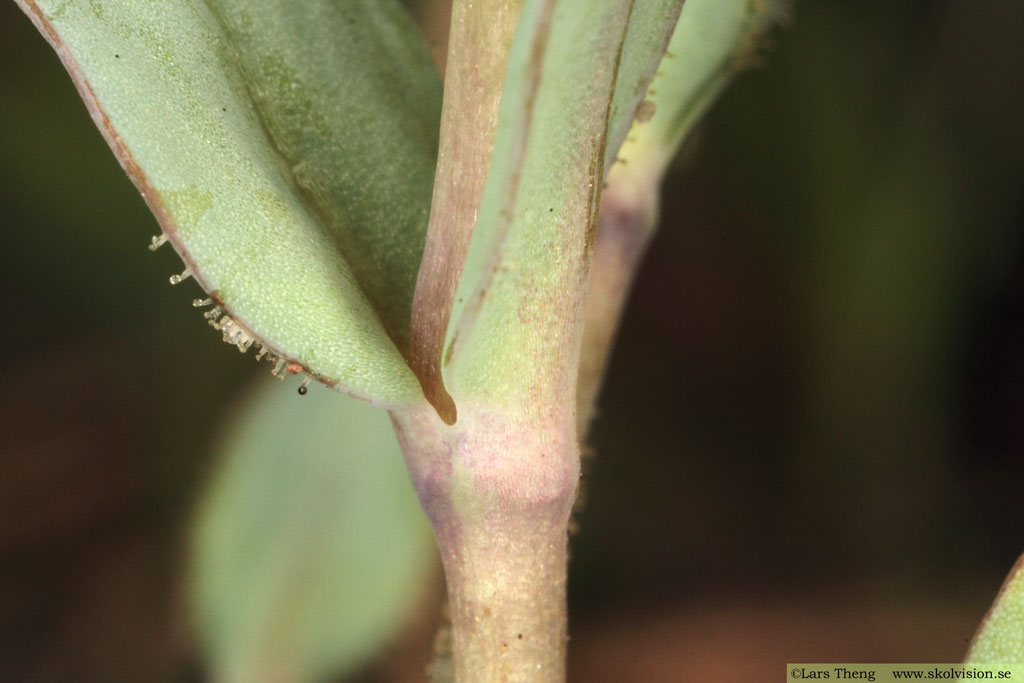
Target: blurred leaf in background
x,y
311,550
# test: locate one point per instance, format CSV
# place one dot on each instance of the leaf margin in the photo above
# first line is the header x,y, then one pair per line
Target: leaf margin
x,y
386,381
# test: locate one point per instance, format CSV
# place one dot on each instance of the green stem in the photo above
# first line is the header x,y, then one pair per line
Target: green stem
x,y
499,492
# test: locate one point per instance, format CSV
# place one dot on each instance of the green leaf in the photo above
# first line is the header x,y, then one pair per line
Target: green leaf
x,y
287,150
651,25
1000,639
480,43
517,304
713,41
310,547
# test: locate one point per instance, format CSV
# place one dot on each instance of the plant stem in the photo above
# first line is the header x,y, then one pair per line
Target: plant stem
x,y
479,40
626,223
507,602
499,492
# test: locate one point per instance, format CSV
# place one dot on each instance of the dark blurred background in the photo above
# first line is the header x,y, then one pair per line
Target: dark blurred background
x,y
811,442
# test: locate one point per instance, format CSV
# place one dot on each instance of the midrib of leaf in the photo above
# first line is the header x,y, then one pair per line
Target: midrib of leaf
x,y
156,81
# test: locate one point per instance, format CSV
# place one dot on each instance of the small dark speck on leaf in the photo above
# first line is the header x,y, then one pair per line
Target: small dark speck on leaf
x,y
116,56
520,636
645,111
223,108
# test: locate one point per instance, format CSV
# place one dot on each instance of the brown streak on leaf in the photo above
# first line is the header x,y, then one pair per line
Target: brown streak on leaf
x,y
481,36
598,146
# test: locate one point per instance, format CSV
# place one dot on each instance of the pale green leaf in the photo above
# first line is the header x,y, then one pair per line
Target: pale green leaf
x,y
479,40
518,299
309,546
287,150
713,41
1000,639
480,43
651,25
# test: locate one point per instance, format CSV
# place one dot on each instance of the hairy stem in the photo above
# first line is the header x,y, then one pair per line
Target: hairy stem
x,y
498,492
